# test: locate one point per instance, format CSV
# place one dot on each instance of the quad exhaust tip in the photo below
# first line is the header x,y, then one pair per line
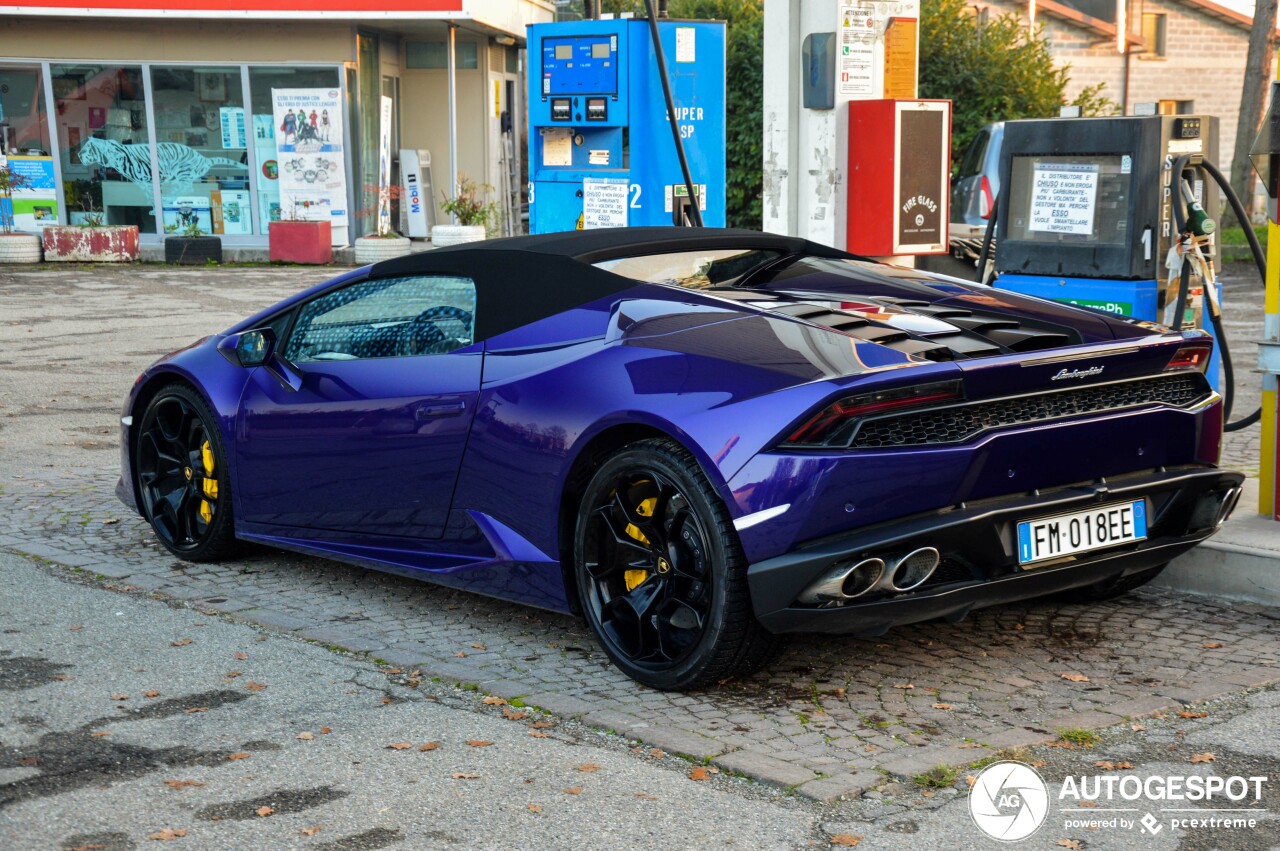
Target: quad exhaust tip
x,y
910,571
846,581
1228,505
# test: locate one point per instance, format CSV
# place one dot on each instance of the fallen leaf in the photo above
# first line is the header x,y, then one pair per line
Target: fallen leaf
x,y
194,709
387,700
305,736
1137,728
970,780
62,678
538,734
478,743
575,790
241,655
182,784
252,686
1202,757
111,521
540,725
151,693
428,746
514,714
264,811
1124,766
588,767
657,753
181,642
458,775
1211,645
167,833
325,731
645,796
231,675
534,808
870,748
76,628
699,773
1088,803
491,700
29,761
119,697
239,755
1073,844
1193,714
942,706
394,671
848,840
1105,765
1019,626
310,831
479,647
101,734
1040,763
460,655
1075,678
902,686
398,746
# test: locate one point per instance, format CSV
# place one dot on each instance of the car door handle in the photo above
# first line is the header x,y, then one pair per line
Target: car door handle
x,y
447,408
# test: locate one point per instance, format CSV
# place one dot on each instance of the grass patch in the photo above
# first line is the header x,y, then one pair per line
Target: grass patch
x,y
1079,737
1235,236
940,777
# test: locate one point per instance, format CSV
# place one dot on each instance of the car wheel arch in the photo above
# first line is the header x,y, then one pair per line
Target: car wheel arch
x,y
149,390
587,458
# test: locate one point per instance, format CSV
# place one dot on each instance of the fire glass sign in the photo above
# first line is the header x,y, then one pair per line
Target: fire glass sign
x,y
899,177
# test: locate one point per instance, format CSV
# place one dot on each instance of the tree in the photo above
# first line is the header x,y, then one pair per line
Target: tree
x,y
1257,73
991,71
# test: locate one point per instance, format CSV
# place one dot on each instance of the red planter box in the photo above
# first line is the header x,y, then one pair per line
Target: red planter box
x,y
301,242
104,244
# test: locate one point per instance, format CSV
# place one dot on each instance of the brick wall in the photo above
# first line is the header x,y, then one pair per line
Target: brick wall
x,y
1204,61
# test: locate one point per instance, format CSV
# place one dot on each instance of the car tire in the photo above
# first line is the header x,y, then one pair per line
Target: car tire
x,y
181,476
661,574
1112,588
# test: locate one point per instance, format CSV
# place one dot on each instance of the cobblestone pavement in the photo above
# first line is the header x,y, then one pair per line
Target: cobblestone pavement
x,y
832,716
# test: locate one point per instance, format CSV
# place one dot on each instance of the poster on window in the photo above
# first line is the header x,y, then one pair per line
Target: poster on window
x,y
309,155
384,166
35,205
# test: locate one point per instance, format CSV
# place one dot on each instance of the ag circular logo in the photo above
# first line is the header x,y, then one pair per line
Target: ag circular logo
x,y
1009,801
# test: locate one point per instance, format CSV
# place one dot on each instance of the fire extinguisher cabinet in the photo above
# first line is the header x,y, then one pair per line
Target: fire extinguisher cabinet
x,y
899,177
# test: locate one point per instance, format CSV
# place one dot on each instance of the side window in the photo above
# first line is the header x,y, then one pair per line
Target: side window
x,y
386,318
972,163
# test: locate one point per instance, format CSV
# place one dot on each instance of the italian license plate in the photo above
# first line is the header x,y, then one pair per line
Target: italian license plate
x,y
1081,531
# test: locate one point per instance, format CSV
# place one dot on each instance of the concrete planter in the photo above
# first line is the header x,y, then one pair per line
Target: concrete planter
x,y
104,244
301,242
373,249
442,235
192,250
19,248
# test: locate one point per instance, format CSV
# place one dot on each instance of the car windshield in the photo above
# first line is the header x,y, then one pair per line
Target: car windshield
x,y
695,270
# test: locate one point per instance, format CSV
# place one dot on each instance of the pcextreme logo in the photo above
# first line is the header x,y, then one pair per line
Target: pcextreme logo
x,y
1009,801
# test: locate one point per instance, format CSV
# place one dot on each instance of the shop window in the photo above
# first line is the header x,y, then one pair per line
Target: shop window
x,y
513,60
202,149
105,143
262,79
24,139
434,55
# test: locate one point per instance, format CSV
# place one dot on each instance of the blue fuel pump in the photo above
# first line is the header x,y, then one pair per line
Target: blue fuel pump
x,y
601,148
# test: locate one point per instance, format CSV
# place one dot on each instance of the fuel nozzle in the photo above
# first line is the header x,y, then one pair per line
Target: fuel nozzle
x,y
1198,221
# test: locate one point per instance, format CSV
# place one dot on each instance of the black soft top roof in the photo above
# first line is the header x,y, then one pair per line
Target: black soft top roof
x,y
522,279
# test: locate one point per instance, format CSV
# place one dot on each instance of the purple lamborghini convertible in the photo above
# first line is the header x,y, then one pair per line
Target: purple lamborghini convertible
x,y
697,439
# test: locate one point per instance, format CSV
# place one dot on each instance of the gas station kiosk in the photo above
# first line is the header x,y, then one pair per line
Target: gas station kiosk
x,y
601,149
1087,213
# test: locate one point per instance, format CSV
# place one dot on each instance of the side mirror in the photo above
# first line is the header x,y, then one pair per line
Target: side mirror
x,y
256,347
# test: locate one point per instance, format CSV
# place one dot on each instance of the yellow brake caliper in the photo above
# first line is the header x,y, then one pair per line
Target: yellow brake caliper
x,y
209,484
633,578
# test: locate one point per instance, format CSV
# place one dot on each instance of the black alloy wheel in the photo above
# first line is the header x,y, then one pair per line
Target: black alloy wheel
x,y
660,572
181,476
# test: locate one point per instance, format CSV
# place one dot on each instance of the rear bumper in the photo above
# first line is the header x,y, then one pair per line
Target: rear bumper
x,y
978,545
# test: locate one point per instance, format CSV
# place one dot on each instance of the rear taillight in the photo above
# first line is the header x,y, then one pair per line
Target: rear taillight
x,y
834,425
1191,356
987,200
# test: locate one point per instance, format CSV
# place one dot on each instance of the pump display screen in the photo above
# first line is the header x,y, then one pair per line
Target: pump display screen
x,y
1064,199
564,51
580,65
